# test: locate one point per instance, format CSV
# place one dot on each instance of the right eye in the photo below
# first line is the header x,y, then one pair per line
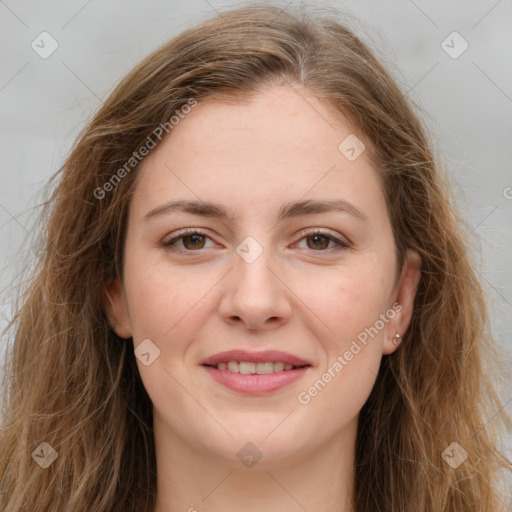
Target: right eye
x,y
192,240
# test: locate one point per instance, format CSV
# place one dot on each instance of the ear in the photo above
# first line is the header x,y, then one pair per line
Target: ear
x,y
117,309
403,301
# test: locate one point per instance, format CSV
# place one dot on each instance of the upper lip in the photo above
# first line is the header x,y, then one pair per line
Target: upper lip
x,y
255,357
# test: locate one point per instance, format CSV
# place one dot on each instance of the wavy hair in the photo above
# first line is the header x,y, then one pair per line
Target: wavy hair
x,y
70,381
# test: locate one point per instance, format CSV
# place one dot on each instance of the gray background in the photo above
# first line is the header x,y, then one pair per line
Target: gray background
x,y
466,103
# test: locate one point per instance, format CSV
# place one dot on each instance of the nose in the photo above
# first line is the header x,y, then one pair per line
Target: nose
x,y
255,296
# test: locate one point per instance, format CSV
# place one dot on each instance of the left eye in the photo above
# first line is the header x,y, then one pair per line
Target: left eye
x,y
320,241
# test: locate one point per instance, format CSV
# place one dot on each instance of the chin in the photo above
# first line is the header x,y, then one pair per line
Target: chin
x,y
259,448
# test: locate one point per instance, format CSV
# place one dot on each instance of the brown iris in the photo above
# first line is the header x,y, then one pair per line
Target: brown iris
x,y
197,241
318,238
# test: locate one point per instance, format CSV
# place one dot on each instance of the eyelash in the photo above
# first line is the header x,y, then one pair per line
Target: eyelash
x,y
189,232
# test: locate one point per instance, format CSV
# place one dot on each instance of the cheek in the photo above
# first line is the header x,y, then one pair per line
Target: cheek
x,y
167,306
353,347
161,296
356,298
347,300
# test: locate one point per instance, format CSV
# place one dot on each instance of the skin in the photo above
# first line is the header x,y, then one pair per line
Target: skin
x,y
302,295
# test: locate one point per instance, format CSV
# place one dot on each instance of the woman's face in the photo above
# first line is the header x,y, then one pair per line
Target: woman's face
x,y
288,258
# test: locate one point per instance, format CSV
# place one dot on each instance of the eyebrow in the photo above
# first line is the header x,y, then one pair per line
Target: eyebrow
x,y
290,210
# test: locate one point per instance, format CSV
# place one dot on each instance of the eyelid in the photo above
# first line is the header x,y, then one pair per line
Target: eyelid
x,y
181,233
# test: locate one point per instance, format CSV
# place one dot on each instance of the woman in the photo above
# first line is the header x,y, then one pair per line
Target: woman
x,y
255,294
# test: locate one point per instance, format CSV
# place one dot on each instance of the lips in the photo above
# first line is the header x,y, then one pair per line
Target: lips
x,y
255,373
255,357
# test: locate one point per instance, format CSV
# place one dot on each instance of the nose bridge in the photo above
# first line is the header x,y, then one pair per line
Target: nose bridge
x,y
255,295
252,266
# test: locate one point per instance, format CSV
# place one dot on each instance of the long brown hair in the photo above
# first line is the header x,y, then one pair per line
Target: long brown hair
x,y
71,382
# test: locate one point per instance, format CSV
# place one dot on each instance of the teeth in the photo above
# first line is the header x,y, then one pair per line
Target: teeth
x,y
264,368
249,368
232,367
278,367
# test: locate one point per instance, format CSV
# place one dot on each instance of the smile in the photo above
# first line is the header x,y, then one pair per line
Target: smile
x,y
250,368
255,373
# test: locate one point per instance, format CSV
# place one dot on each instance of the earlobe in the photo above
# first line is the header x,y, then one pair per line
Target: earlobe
x,y
117,309
404,297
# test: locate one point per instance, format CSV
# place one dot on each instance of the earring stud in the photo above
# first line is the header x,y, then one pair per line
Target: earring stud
x,y
396,340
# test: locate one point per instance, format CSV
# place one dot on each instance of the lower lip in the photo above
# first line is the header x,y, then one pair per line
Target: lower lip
x,y
255,384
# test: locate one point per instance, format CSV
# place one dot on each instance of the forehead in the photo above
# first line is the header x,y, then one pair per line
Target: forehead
x,y
277,145
277,120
